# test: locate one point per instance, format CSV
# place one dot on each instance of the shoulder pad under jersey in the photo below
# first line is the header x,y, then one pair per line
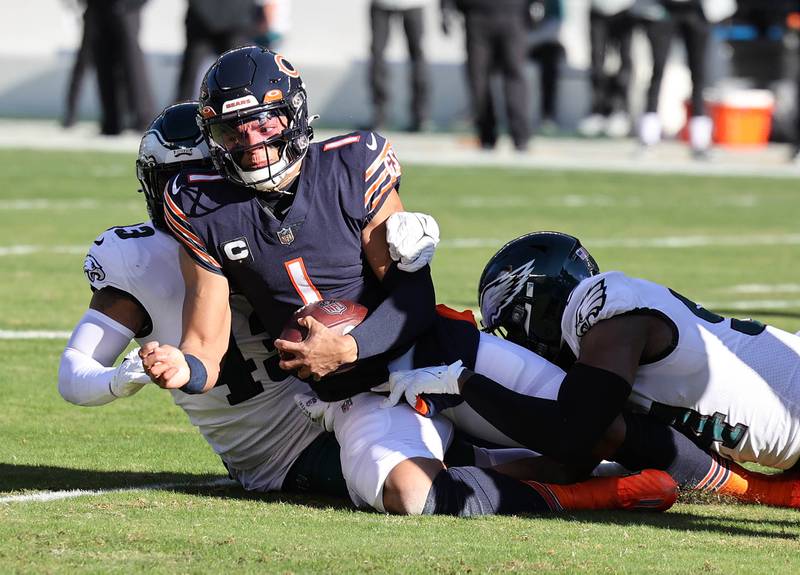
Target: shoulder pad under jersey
x,y
113,255
594,299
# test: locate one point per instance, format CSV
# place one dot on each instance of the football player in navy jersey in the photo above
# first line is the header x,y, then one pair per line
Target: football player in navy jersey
x,y
286,222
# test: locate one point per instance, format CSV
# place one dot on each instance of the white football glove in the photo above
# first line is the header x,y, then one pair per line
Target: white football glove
x,y
129,377
440,379
412,239
318,411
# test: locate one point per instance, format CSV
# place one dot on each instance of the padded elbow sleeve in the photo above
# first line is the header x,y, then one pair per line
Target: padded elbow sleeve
x,y
85,369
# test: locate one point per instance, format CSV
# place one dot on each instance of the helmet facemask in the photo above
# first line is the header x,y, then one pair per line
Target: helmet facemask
x,y
526,313
525,287
259,147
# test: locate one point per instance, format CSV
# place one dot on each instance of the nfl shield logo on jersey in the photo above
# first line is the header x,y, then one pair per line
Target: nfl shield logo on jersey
x,y
286,236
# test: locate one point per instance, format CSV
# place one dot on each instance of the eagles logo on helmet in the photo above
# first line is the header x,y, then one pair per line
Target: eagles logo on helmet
x,y
253,84
524,288
171,143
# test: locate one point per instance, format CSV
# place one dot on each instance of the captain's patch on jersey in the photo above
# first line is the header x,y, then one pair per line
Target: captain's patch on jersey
x,y
589,308
93,270
237,250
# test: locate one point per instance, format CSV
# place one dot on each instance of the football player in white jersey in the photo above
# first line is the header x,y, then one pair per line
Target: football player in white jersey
x,y
249,418
732,386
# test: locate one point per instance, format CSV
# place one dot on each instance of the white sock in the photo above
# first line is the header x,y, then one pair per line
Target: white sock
x,y
700,128
650,129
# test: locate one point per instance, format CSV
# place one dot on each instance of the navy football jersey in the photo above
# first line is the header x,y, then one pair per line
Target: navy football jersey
x,y
314,252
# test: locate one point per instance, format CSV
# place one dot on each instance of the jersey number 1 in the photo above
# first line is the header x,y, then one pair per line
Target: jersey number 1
x,y
301,281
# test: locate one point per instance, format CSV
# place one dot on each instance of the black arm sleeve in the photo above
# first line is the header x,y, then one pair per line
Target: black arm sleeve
x,y
590,399
408,310
541,424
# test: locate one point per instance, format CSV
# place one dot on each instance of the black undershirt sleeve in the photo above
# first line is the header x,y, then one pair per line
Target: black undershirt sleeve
x,y
590,399
534,422
408,310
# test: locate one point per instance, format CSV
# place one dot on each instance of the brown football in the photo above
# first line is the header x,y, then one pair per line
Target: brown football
x,y
340,315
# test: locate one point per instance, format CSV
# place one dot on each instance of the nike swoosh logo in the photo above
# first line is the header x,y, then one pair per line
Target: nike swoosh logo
x,y
372,145
99,242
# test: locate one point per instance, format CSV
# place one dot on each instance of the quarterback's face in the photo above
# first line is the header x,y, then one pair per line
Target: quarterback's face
x,y
247,136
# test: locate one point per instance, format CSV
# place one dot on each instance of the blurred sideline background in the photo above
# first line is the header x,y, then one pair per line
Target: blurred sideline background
x,y
329,43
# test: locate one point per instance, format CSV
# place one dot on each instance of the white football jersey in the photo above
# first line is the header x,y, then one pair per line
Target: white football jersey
x,y
733,384
249,418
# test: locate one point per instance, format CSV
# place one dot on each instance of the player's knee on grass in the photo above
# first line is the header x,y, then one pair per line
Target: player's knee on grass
x,y
407,486
379,448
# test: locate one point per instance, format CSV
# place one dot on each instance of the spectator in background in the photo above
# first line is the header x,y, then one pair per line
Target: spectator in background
x,y
83,60
212,27
121,74
611,24
272,22
793,27
411,12
546,50
496,37
692,19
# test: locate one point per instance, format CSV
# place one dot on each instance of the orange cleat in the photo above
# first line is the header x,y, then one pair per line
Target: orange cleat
x,y
648,490
728,478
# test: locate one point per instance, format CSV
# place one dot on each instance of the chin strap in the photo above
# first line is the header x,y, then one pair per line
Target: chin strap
x,y
274,184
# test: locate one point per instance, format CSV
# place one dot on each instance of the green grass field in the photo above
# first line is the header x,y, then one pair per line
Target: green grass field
x,y
730,243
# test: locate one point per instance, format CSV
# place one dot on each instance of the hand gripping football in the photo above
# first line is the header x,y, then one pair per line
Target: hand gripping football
x,y
340,315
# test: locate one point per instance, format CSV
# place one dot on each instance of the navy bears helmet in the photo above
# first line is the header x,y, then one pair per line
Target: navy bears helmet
x,y
246,85
524,288
171,143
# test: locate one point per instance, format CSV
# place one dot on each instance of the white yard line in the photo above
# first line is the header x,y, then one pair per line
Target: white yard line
x,y
24,250
743,305
28,334
44,204
763,288
668,242
26,204
753,304
43,496
451,150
